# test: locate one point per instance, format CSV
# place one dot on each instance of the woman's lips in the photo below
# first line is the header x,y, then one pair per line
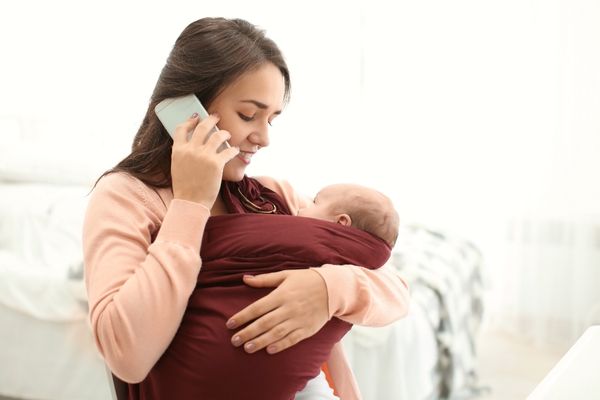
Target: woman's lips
x,y
245,156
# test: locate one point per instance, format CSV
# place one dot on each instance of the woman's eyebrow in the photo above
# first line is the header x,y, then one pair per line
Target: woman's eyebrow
x,y
260,105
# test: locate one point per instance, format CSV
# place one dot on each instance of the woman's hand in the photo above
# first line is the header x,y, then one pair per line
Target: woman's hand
x,y
295,310
196,166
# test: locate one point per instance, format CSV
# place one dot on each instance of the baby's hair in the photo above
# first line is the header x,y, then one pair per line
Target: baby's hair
x,y
373,214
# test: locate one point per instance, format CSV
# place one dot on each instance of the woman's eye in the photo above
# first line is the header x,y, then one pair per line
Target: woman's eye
x,y
245,117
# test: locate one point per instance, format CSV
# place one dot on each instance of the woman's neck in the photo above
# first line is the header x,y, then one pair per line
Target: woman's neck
x,y
218,207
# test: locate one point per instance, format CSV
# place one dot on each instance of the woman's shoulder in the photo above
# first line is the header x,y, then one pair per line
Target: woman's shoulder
x,y
116,177
119,182
277,185
124,186
283,188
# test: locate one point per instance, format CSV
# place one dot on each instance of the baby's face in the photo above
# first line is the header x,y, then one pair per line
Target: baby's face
x,y
323,204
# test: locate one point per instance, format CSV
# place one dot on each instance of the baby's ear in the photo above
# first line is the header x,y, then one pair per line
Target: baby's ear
x,y
343,219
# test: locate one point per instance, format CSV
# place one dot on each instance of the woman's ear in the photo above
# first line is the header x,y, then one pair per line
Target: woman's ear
x,y
343,219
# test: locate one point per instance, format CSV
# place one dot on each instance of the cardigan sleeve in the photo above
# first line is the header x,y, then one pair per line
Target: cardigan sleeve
x,y
141,265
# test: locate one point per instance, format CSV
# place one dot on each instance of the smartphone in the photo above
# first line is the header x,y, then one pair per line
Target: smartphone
x,y
173,111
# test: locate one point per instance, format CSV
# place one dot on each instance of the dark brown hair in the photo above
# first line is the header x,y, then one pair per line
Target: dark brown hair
x,y
209,55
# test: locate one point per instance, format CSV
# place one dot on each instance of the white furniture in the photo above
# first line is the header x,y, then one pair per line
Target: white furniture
x,y
576,374
47,350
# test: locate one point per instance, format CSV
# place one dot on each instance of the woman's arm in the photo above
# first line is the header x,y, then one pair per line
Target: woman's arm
x,y
142,263
138,287
355,294
363,296
352,293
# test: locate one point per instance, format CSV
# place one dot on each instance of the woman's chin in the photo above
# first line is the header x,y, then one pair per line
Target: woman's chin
x,y
233,175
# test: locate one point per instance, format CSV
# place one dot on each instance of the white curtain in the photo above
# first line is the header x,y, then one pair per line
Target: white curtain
x,y
547,267
488,114
546,279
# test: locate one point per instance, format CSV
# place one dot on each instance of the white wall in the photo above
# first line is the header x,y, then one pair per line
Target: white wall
x,y
83,72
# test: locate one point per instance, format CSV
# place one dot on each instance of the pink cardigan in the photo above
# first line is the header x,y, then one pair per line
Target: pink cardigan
x,y
142,257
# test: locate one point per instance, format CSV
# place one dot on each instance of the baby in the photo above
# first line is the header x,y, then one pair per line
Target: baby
x,y
357,206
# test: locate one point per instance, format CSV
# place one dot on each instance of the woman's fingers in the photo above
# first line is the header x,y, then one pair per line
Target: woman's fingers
x,y
204,129
195,130
197,167
255,310
263,305
182,130
216,140
206,134
229,153
289,340
271,279
262,332
274,332
276,340
295,310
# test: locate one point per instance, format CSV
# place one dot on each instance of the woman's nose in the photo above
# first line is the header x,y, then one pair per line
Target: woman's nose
x,y
260,137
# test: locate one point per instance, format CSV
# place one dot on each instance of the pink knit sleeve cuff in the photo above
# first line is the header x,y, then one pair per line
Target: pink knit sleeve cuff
x,y
184,223
339,282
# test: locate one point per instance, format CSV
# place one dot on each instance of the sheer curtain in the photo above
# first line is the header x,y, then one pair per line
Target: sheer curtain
x,y
489,115
550,278
548,271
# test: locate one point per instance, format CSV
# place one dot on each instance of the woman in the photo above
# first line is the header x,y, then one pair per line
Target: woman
x,y
146,217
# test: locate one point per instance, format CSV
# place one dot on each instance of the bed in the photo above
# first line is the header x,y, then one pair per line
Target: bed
x,y
47,351
431,353
46,347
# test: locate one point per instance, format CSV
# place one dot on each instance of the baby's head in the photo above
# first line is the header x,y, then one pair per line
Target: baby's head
x,y
357,206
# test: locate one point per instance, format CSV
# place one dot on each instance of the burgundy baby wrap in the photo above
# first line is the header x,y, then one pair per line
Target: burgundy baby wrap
x,y
201,363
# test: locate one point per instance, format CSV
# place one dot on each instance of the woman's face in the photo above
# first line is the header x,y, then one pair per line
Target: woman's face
x,y
247,107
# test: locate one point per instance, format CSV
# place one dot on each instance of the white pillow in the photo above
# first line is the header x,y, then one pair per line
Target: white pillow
x,y
41,224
